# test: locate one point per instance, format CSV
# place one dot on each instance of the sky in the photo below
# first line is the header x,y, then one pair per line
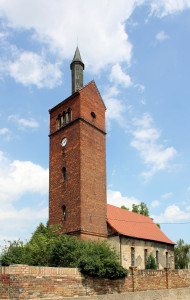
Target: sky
x,y
137,52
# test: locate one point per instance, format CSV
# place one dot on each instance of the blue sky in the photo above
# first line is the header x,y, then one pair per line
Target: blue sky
x,y
138,54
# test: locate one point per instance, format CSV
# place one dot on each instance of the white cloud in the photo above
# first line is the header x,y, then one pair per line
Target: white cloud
x,y
145,140
15,223
167,195
20,177
30,68
155,203
188,207
115,106
115,198
102,41
24,122
161,36
172,214
119,77
163,8
28,123
4,130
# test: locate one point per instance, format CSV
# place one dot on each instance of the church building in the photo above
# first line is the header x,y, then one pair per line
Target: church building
x,y
77,180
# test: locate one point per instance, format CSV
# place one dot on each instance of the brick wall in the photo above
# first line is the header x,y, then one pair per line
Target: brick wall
x,y
45,282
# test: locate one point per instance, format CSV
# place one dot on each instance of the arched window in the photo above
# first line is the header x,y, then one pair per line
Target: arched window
x,y
64,212
157,257
93,115
132,256
64,118
64,173
145,256
69,114
167,262
62,121
58,122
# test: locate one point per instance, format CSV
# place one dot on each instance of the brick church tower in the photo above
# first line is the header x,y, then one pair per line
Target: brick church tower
x,y
77,179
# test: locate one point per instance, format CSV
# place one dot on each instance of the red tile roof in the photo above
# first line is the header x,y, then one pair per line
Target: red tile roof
x,y
134,225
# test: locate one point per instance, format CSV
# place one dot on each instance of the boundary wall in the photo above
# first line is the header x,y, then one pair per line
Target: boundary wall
x,y
26,282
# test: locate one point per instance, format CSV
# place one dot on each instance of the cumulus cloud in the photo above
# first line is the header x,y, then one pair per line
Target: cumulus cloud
x,y
16,222
21,177
102,42
117,76
29,68
172,214
167,195
24,122
153,153
161,36
4,130
115,198
163,8
115,106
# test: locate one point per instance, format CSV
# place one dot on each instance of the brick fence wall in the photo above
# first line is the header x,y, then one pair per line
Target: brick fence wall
x,y
22,281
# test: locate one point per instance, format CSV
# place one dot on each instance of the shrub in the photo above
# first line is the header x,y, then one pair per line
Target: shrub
x,y
49,248
151,263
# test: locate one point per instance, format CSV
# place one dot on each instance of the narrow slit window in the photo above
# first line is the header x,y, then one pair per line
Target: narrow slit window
x,y
64,174
64,212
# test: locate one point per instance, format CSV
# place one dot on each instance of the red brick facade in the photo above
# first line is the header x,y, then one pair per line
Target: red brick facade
x,y
83,193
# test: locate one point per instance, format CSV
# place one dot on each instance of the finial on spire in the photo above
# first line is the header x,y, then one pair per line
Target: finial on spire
x,y
77,67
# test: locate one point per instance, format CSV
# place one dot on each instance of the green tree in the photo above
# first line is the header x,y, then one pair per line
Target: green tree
x,y
47,247
180,253
151,263
141,209
124,207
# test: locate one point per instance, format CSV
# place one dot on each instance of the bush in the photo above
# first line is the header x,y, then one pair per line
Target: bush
x,y
49,248
151,263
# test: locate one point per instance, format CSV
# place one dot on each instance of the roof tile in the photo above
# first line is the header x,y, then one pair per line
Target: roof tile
x,y
135,225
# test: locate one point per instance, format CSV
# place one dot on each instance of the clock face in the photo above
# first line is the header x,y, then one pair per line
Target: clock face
x,y
64,142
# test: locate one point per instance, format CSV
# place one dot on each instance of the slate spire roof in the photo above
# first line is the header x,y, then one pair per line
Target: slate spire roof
x,y
77,57
134,225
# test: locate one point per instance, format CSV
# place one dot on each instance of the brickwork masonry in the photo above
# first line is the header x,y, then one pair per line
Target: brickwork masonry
x,y
22,281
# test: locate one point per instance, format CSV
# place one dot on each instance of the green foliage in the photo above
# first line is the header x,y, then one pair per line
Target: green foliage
x,y
124,207
141,209
99,260
13,253
180,253
151,263
49,248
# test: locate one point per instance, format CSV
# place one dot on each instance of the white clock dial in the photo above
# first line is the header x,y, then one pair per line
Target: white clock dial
x,y
64,142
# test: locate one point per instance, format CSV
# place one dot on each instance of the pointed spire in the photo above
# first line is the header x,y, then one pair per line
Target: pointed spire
x,y
77,67
77,56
